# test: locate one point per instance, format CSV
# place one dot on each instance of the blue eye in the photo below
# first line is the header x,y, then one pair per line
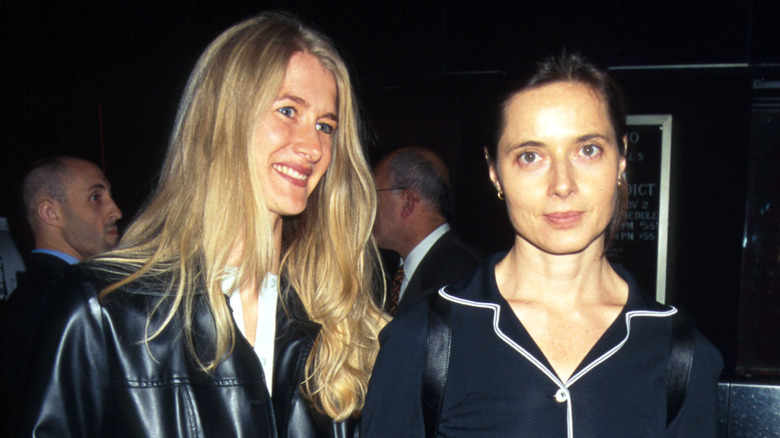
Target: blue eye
x,y
287,111
326,128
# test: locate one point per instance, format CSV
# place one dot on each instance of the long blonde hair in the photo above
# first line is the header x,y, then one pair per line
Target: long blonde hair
x,y
209,201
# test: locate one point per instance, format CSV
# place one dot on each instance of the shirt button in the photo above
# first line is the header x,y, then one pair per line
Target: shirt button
x,y
561,396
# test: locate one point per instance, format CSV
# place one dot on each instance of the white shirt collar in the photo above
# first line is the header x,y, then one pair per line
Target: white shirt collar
x,y
417,253
265,332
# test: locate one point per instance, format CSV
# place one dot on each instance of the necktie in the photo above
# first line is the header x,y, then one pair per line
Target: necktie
x,y
395,291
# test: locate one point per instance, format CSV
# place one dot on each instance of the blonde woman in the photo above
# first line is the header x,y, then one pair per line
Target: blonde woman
x,y
239,302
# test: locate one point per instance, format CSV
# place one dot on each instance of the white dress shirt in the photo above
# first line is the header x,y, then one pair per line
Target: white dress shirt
x,y
417,253
266,319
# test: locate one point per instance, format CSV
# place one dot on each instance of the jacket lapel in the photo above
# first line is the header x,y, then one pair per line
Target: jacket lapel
x,y
295,336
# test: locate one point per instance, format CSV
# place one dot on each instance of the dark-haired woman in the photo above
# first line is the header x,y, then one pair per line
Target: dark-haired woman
x,y
549,339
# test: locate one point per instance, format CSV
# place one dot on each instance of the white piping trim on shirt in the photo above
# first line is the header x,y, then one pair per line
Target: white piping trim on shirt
x,y
564,387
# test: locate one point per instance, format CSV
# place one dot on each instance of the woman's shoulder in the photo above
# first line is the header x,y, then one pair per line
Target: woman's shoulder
x,y
410,325
707,352
77,292
480,285
687,341
408,321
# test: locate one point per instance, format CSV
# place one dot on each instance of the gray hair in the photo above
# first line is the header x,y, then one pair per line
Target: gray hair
x,y
411,169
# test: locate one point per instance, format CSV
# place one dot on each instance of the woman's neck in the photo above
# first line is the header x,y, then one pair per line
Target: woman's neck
x,y
532,275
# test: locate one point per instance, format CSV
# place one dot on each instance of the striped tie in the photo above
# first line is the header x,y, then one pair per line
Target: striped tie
x,y
392,302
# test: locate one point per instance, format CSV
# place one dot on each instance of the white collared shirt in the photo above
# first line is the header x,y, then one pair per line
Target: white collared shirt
x,y
417,253
266,319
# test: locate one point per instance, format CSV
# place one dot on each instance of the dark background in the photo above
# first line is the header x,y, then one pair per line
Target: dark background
x,y
102,80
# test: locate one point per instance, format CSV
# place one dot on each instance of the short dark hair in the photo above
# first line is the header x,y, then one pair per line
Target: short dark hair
x,y
410,168
46,176
569,67
573,67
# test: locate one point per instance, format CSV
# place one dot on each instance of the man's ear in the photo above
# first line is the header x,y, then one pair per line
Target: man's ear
x,y
409,202
50,212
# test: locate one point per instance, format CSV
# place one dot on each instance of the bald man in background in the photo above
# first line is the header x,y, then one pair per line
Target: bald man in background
x,y
414,203
73,217
70,211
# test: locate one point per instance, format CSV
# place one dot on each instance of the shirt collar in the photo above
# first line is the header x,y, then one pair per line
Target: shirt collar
x,y
67,258
481,287
417,253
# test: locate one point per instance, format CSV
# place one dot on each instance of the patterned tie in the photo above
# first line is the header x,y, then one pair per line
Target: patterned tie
x,y
392,302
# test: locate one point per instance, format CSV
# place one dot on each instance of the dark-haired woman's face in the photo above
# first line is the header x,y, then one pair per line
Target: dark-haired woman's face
x,y
557,163
293,139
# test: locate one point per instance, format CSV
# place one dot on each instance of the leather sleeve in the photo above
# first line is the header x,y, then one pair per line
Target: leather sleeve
x,y
65,397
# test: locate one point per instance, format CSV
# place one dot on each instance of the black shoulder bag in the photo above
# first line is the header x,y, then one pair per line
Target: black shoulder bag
x,y
678,372
437,361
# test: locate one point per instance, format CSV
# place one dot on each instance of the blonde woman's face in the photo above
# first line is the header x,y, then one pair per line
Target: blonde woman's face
x,y
558,163
293,139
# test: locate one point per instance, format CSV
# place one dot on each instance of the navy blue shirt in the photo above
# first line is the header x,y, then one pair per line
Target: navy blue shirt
x,y
501,385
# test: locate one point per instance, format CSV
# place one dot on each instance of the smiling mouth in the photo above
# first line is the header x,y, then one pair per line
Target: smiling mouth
x,y
292,173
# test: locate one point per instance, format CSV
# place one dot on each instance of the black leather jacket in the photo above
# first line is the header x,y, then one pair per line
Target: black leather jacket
x,y
93,376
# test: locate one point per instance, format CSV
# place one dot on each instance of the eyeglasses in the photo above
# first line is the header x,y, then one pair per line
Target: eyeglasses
x,y
390,188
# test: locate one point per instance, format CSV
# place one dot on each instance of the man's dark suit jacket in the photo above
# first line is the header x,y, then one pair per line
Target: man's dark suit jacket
x,y
20,324
41,269
40,266
448,260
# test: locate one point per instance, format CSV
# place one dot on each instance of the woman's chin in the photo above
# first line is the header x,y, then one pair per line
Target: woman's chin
x,y
568,245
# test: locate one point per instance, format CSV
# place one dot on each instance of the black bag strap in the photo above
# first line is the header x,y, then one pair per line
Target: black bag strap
x,y
437,361
678,372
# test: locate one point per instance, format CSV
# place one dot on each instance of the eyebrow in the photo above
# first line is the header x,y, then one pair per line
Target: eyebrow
x,y
587,137
99,185
525,144
580,139
303,102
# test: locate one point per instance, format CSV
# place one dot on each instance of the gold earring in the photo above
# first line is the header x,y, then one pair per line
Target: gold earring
x,y
500,194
